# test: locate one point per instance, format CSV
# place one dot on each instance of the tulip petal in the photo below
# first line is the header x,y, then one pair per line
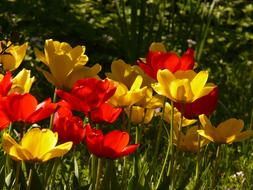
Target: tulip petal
x,y
128,150
198,83
39,142
230,127
11,147
40,56
57,151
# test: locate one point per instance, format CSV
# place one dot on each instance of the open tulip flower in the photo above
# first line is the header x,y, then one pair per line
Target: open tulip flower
x,y
226,132
12,55
126,74
183,86
189,141
68,127
66,64
37,145
112,145
88,94
22,82
125,97
5,84
143,110
23,108
160,59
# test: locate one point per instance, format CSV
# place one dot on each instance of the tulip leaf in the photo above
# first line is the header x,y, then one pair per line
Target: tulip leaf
x,y
2,177
8,179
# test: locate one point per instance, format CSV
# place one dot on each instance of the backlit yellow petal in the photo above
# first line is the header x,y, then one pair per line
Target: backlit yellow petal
x,y
11,147
137,83
198,83
40,56
39,141
57,151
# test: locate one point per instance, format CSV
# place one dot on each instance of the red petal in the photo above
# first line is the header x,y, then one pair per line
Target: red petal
x,y
5,84
105,113
187,60
19,106
4,120
94,140
204,105
43,110
128,150
116,140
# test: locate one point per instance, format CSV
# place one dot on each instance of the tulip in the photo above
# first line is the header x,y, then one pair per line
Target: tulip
x,y
189,142
158,59
68,127
12,56
126,74
105,113
88,94
37,145
204,105
23,108
5,84
66,64
226,132
112,145
22,82
125,97
183,86
177,116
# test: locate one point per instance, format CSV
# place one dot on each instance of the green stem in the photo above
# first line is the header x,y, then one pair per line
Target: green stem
x,y
52,116
169,148
99,174
17,175
215,169
93,171
198,162
29,181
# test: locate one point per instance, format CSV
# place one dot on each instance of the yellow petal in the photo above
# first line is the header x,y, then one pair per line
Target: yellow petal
x,y
157,46
40,56
57,151
11,147
137,83
198,83
50,78
230,127
80,72
180,90
207,135
39,141
243,135
76,52
60,66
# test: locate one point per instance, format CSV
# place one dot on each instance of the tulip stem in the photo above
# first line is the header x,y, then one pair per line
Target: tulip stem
x,y
93,172
17,175
29,181
215,169
198,162
99,174
169,149
52,116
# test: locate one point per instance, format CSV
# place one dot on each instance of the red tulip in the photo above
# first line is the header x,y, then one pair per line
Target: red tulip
x,y
112,145
68,127
23,108
105,113
204,105
5,84
88,94
156,60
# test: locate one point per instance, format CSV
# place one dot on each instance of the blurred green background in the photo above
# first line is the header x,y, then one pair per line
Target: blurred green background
x,y
221,32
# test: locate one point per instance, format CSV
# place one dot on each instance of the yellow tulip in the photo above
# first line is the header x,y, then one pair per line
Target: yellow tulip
x,y
226,132
22,82
177,116
143,110
12,56
66,64
182,86
126,74
37,145
189,141
124,97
